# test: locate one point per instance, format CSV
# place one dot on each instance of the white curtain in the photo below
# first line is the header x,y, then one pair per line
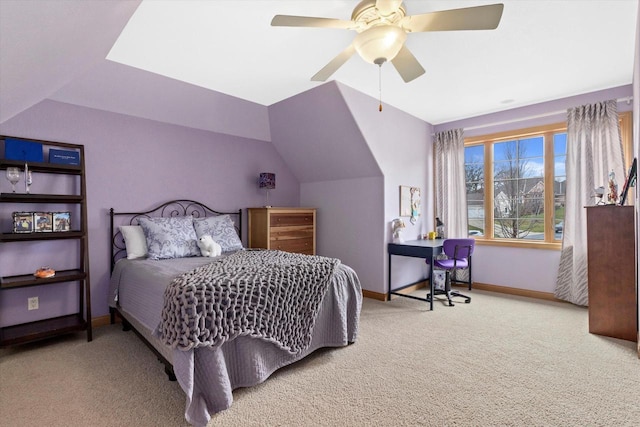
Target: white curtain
x,y
594,148
451,195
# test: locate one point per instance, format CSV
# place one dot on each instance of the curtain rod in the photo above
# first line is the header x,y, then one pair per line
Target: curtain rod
x,y
627,99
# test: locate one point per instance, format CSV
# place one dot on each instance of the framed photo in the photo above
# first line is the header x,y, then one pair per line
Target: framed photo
x,y
61,221
410,202
43,222
23,222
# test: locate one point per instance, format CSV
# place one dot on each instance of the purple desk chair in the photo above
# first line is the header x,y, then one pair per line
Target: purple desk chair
x,y
458,252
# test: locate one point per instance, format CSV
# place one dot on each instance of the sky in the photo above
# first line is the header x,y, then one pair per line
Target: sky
x,y
529,150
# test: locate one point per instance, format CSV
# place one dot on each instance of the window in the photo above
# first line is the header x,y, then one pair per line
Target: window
x,y
516,183
507,181
518,188
559,182
474,179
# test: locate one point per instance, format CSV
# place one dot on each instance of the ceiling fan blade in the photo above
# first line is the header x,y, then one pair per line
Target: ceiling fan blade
x,y
387,7
308,21
407,65
468,18
334,64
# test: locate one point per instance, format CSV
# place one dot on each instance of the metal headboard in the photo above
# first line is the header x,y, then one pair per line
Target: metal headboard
x,y
173,208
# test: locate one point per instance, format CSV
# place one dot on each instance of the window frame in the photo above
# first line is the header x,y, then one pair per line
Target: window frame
x,y
547,131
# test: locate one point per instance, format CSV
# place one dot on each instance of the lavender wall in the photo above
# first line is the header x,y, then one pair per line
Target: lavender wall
x,y
317,135
338,153
45,45
134,164
535,115
531,269
349,214
402,147
351,159
126,90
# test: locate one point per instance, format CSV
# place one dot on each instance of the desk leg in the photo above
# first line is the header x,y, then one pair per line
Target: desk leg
x,y
389,279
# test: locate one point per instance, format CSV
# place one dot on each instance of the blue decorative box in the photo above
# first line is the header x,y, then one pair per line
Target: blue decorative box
x,y
20,149
65,157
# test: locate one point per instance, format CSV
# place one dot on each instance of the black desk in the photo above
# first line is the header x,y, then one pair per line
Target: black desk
x,y
426,249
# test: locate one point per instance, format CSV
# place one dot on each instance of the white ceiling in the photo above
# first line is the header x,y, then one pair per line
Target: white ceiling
x,y
542,50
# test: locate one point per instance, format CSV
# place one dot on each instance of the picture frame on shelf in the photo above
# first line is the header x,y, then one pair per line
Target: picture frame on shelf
x,y
23,222
43,222
61,221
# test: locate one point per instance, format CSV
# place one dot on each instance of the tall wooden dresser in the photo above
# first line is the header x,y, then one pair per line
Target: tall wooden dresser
x,y
285,229
611,264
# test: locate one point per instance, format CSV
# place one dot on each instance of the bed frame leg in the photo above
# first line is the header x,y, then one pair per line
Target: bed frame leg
x,y
169,371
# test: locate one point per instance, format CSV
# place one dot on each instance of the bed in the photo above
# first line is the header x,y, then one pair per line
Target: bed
x,y
229,321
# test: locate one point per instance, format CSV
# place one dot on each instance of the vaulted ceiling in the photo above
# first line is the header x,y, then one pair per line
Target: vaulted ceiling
x,y
217,65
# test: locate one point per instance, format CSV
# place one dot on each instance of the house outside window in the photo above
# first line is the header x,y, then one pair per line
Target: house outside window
x,y
518,188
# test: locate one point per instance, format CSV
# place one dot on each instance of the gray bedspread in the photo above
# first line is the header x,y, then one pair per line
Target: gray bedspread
x,y
208,375
272,295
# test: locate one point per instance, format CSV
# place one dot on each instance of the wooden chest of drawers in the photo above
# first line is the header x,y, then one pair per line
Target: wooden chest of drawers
x,y
611,271
285,229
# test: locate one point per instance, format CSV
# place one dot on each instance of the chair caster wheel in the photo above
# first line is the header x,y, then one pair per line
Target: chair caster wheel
x,y
451,304
467,302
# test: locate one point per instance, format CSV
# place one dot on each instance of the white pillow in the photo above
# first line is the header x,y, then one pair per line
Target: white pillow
x,y
134,241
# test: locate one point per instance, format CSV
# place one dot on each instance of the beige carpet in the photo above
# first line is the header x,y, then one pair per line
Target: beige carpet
x,y
501,360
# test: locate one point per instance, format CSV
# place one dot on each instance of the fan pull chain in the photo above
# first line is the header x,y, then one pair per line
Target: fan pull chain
x,y
380,86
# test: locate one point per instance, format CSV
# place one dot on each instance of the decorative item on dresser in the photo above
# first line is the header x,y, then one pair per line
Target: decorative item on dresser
x,y
267,181
28,229
285,229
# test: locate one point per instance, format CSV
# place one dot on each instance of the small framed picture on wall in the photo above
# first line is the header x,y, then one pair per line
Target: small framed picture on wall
x,y
410,202
43,222
61,221
23,222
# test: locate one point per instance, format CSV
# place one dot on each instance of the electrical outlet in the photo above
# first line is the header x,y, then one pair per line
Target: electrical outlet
x,y
32,303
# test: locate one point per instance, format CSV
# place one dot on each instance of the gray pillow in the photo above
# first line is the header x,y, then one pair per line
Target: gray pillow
x,y
170,237
222,229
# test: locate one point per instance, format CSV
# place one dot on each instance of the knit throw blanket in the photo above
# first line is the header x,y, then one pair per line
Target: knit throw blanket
x,y
272,295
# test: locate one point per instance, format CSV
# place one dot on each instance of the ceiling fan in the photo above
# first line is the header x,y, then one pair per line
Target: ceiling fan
x,y
382,27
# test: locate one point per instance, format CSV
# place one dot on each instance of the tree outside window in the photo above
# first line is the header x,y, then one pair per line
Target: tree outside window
x,y
474,179
518,168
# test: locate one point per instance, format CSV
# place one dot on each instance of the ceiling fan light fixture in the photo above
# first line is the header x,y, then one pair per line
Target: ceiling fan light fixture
x,y
382,27
380,43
